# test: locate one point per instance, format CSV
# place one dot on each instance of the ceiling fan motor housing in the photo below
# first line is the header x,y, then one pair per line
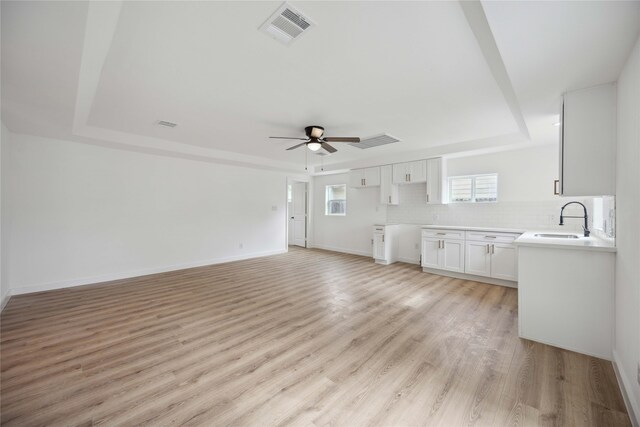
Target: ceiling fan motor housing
x,y
314,131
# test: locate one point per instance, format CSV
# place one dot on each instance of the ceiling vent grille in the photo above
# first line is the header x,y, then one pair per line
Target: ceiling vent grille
x,y
286,24
167,124
375,141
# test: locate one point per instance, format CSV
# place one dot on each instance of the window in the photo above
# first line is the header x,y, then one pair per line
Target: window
x,y
473,188
336,199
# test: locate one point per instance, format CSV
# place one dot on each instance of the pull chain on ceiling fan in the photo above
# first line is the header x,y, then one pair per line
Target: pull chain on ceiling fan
x,y
315,139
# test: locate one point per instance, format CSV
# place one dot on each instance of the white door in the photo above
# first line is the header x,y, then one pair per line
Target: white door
x,y
356,178
372,177
418,171
434,181
388,190
299,213
378,246
430,251
453,255
504,261
400,173
478,259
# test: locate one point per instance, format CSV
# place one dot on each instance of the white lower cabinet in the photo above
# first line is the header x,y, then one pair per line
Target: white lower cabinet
x,y
475,253
444,254
497,260
385,244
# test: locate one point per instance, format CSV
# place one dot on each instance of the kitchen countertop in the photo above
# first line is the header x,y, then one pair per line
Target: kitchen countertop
x,y
459,227
591,243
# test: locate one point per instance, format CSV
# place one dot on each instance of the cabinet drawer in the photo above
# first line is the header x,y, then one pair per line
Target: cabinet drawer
x,y
487,236
378,228
443,234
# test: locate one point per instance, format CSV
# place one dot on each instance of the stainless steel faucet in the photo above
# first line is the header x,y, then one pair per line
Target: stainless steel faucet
x,y
586,217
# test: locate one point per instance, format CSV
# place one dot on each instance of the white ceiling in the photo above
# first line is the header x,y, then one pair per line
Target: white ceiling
x,y
426,72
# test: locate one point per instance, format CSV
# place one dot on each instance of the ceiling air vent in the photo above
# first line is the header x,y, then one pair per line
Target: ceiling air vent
x,y
375,141
286,24
167,124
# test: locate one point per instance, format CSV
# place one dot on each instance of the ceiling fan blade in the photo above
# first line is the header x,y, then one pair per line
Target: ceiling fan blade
x,y
328,147
296,146
288,137
341,139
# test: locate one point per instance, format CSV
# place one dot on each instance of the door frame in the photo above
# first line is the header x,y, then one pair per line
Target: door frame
x,y
290,181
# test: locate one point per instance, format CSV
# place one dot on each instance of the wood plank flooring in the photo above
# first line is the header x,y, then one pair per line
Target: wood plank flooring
x,y
305,338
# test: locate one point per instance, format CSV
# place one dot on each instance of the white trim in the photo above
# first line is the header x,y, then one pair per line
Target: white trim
x,y
137,273
344,250
5,300
482,279
627,391
415,261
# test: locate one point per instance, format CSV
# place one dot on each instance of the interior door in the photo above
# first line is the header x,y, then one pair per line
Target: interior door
x,y
378,246
299,213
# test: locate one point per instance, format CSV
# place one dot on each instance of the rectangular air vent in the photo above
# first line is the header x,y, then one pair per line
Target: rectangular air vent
x,y
286,24
167,124
375,141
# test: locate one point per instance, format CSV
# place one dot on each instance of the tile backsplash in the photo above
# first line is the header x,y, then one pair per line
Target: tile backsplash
x,y
527,215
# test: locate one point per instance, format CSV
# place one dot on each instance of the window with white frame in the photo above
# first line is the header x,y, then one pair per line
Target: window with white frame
x,y
336,199
473,188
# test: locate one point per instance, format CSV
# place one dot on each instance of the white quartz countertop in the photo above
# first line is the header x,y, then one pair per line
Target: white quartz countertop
x,y
459,227
591,243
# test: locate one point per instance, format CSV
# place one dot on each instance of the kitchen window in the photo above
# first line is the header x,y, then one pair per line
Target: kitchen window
x,y
336,200
473,188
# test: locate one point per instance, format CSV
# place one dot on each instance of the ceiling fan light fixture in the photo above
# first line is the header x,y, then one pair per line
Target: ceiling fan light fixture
x,y
314,145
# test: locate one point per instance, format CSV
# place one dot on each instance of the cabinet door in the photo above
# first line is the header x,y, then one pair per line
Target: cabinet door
x,y
400,173
388,190
504,261
417,171
452,255
478,259
372,177
356,178
587,144
378,246
430,252
434,181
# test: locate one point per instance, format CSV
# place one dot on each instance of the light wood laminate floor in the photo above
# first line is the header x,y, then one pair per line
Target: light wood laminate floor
x,y
305,338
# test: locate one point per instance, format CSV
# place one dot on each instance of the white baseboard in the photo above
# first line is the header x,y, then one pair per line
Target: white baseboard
x,y
627,391
409,260
136,273
5,300
343,250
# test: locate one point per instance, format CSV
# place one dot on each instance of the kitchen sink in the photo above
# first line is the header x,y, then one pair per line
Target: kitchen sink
x,y
557,236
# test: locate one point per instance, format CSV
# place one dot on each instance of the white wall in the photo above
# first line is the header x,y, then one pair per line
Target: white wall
x,y
351,233
627,291
5,136
82,214
523,175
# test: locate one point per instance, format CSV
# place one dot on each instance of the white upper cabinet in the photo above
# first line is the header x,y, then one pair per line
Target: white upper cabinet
x,y
361,178
588,142
435,181
410,172
388,190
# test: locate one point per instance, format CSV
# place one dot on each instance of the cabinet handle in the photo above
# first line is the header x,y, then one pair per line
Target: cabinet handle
x,y
489,237
493,249
439,244
389,199
365,182
555,187
409,177
443,244
488,248
427,198
441,234
383,238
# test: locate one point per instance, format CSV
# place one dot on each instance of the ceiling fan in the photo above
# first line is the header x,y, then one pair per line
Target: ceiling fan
x,y
315,140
